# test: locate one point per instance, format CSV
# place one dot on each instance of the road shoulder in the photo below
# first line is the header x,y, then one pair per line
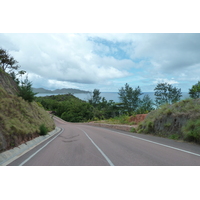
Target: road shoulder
x,y
12,154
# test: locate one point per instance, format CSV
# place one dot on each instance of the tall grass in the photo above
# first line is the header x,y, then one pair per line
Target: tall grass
x,y
20,120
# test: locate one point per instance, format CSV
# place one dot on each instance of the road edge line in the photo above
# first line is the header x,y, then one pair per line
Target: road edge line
x,y
13,158
189,152
41,148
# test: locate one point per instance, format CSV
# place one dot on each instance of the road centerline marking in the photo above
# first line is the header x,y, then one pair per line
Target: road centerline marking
x,y
103,154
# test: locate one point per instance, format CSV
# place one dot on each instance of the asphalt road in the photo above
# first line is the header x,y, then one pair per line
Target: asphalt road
x,y
83,145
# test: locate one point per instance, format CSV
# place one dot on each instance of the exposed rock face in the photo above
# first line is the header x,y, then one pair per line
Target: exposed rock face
x,y
8,84
172,119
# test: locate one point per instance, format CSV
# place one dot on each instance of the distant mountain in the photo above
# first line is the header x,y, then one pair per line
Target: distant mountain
x,y
41,90
59,91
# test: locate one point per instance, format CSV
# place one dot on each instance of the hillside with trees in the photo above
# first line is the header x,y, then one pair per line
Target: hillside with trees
x,y
21,118
173,118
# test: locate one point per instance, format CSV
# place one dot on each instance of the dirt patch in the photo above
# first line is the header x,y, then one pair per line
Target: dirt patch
x,y
138,118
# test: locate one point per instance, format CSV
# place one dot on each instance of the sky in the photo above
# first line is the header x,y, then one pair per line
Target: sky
x,y
106,61
104,45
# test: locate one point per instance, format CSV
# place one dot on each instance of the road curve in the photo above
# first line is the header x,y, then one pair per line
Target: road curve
x,y
83,145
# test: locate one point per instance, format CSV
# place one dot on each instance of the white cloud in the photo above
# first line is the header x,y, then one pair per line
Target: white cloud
x,y
101,59
65,57
160,80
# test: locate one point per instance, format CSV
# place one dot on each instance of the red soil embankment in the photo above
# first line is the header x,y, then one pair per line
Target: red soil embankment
x,y
138,118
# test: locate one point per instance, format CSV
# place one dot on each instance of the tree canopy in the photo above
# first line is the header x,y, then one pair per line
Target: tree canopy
x,y
130,98
194,92
166,93
7,61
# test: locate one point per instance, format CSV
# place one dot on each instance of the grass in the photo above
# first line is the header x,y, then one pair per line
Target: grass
x,y
123,119
20,120
180,120
191,131
133,130
174,137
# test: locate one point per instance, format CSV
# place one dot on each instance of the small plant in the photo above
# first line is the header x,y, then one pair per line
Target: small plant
x,y
133,130
174,137
43,130
167,124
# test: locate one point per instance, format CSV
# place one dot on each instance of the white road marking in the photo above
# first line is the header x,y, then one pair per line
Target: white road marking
x,y
40,149
189,152
103,154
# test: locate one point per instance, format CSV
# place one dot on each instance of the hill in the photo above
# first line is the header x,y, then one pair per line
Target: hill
x,y
180,120
59,91
67,107
20,120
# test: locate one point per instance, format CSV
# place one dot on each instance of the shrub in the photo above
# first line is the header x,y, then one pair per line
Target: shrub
x,y
133,130
25,91
191,131
174,136
43,129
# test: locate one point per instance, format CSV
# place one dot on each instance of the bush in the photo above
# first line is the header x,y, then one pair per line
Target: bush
x,y
133,130
43,130
191,131
174,137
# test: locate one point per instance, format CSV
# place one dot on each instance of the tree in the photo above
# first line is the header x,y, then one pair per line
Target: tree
x,y
130,98
25,90
146,105
96,98
194,92
166,93
7,61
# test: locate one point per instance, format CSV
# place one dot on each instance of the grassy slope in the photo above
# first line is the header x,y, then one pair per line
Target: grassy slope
x,y
20,120
177,121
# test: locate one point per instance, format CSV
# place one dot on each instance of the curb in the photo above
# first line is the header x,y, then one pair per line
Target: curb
x,y
11,155
114,126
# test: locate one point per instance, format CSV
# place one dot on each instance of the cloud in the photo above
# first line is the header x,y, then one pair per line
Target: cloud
x,y
168,52
65,57
102,59
160,80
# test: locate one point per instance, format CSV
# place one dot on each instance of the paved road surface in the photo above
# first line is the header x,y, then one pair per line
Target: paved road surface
x,y
83,145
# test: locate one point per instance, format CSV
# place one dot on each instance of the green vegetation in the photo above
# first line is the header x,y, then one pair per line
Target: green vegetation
x,y
194,92
20,120
166,93
122,119
43,129
174,136
133,130
180,120
130,98
191,131
7,61
25,91
68,107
